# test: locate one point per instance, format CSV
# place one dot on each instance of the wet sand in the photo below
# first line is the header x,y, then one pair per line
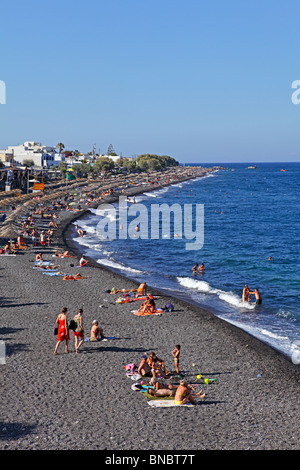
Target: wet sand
x,y
85,401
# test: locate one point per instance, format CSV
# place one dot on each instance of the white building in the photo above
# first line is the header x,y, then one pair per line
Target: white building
x,y
42,155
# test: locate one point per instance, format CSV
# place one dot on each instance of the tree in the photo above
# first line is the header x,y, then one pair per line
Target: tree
x,y
61,146
103,163
154,162
28,163
110,151
62,166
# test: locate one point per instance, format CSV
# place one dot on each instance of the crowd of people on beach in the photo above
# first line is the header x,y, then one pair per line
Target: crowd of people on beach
x,y
151,366
76,325
153,369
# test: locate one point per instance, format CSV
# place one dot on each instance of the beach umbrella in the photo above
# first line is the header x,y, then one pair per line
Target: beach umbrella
x,y
9,232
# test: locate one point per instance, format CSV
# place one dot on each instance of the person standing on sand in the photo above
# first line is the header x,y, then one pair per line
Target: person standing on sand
x,y
78,332
176,354
63,332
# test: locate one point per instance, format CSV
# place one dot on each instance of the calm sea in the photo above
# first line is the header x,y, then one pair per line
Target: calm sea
x,y
249,215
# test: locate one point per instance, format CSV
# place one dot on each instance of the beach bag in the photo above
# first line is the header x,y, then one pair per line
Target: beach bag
x,y
56,331
169,307
130,367
72,325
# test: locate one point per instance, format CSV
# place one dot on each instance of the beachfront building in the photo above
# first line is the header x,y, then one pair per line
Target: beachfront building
x,y
6,157
42,156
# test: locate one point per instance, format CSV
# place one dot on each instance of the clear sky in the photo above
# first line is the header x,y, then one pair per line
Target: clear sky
x,y
202,81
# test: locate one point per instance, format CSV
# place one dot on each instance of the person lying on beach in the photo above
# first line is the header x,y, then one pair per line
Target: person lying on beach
x,y
66,254
68,277
50,266
96,332
141,290
162,392
184,394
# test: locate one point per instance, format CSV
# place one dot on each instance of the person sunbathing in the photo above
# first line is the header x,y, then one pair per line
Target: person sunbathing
x,y
115,291
147,307
96,332
162,392
66,254
141,290
50,266
184,394
68,277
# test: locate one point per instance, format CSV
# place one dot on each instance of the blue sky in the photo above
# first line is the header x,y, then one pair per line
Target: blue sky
x,y
199,81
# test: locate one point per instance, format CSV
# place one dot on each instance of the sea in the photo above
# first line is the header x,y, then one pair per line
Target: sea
x,y
248,233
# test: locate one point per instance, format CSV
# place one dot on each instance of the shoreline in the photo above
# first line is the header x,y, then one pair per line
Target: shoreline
x,y
69,242
252,405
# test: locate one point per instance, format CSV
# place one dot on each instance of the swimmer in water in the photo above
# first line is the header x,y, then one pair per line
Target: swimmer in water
x,y
257,296
246,294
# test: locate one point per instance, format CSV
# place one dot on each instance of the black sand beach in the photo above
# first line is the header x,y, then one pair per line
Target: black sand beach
x,y
85,402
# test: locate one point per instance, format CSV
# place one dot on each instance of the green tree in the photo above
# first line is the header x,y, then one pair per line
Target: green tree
x,y
61,146
111,151
62,166
103,163
28,163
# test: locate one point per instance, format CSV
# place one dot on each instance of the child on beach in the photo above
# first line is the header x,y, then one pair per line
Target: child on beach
x,y
176,354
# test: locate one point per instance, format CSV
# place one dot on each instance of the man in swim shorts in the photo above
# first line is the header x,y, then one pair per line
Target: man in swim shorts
x,y
257,296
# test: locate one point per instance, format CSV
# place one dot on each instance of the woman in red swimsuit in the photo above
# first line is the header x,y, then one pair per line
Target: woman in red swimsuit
x,y
63,332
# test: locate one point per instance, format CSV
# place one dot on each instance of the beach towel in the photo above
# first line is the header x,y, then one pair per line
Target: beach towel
x,y
6,254
166,404
46,270
55,273
158,311
102,339
133,375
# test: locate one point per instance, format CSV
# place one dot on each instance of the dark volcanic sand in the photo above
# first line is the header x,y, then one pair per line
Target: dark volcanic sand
x,y
85,401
